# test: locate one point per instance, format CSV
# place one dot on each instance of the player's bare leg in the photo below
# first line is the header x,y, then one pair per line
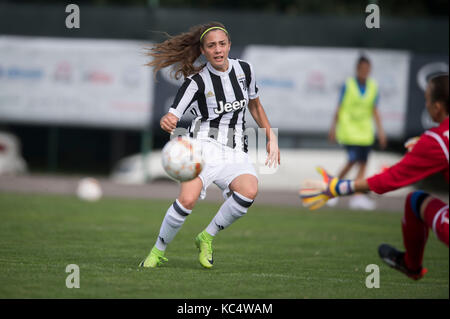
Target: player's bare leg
x,y
173,220
244,189
189,192
361,170
344,171
246,185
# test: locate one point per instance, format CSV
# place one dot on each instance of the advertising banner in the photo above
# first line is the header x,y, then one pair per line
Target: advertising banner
x,y
83,82
300,86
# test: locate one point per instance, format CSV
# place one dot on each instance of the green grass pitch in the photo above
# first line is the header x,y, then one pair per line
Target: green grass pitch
x,y
273,252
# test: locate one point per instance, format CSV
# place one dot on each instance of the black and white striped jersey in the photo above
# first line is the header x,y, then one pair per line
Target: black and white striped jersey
x,y
218,100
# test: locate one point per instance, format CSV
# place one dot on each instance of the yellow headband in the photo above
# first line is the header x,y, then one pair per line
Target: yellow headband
x,y
209,29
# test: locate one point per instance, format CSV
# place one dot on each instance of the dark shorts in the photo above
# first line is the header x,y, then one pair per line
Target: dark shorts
x,y
357,153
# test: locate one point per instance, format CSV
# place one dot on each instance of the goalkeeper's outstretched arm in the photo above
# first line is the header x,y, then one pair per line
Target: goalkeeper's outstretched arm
x,y
414,166
361,185
315,193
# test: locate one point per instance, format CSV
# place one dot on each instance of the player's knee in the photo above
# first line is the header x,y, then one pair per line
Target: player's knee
x,y
414,202
248,187
250,191
188,201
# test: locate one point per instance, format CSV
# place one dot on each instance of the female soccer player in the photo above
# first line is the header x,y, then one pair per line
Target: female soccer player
x,y
430,155
220,91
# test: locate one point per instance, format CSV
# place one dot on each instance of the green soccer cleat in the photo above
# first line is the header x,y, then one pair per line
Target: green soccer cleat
x,y
203,242
154,259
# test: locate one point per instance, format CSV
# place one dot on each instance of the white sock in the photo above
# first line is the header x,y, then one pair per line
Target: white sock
x,y
174,219
231,210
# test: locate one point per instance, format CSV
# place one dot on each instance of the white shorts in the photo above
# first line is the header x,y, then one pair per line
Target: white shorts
x,y
222,165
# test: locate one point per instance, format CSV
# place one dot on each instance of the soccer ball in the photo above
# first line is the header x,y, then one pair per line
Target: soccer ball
x,y
89,189
182,158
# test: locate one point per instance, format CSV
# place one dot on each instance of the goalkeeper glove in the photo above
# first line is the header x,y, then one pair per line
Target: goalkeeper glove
x,y
315,193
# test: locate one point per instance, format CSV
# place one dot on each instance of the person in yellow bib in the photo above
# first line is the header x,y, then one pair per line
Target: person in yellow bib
x,y
353,124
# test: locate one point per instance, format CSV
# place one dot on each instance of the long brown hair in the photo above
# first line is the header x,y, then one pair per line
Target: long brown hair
x,y
181,50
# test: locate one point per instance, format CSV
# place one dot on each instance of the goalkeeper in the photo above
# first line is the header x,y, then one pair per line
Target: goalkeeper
x,y
429,155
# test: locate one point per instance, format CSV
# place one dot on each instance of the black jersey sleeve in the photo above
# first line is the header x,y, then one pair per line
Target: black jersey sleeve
x,y
186,95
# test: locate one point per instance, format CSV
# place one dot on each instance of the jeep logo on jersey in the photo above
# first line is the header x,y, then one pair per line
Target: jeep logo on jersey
x,y
230,106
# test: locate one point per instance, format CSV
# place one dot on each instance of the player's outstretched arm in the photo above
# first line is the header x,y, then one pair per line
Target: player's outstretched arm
x,y
315,193
273,152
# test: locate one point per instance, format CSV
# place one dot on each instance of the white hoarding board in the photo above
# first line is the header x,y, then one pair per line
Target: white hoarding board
x,y
86,82
300,87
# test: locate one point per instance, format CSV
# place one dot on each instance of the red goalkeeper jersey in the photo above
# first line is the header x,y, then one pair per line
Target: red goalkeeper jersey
x,y
429,156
